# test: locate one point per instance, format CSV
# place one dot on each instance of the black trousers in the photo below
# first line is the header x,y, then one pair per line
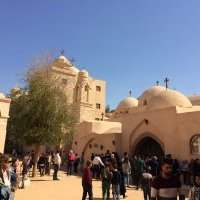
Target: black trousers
x,y
147,192
70,167
87,189
55,173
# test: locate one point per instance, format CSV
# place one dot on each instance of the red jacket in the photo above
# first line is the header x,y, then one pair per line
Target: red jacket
x,y
71,157
87,176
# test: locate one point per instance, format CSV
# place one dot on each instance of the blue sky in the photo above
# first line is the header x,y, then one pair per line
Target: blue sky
x,y
129,43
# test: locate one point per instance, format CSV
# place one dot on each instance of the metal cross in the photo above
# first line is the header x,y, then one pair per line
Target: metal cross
x,y
166,82
130,93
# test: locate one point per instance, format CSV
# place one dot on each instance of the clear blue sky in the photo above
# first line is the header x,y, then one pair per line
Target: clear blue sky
x,y
129,43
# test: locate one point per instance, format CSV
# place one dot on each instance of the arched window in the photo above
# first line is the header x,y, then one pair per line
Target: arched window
x,y
195,144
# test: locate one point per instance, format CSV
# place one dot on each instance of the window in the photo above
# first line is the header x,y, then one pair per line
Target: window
x,y
98,88
98,106
64,81
145,102
195,144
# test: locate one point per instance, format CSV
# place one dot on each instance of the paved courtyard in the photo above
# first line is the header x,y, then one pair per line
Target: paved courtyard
x,y
68,188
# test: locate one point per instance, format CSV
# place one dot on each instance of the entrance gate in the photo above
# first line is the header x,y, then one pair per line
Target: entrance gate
x,y
148,147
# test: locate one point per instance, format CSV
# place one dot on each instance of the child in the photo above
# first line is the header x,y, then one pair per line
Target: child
x,y
194,193
116,180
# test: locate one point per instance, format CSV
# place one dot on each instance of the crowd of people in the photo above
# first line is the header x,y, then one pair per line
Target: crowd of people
x,y
159,178
164,178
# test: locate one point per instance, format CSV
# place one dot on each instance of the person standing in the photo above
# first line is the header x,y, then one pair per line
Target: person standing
x,y
116,181
166,185
97,165
8,179
71,159
126,168
57,163
25,169
87,181
122,183
194,193
42,164
49,161
146,184
106,176
139,169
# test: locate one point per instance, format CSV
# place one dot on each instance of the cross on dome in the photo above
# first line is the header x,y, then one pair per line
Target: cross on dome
x,y
166,82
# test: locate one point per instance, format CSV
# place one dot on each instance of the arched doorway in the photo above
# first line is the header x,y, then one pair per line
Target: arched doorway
x,y
148,147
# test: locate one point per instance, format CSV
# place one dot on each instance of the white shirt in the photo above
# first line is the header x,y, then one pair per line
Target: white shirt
x,y
97,160
6,178
57,159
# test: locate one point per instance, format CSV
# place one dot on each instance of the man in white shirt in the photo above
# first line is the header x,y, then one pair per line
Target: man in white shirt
x,y
57,163
97,164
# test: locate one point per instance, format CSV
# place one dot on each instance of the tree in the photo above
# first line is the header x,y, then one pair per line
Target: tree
x,y
40,115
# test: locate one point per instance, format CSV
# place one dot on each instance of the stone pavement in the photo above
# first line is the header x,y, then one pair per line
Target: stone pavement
x,y
68,188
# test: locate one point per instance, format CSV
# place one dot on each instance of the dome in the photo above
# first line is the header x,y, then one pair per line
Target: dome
x,y
63,59
84,73
2,96
169,98
126,104
149,93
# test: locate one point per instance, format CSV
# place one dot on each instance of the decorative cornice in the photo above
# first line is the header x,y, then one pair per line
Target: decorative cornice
x,y
6,100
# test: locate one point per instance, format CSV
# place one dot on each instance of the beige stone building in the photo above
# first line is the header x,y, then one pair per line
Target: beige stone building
x,y
161,121
86,94
4,115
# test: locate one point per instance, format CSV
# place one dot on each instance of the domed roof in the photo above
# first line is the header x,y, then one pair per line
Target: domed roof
x,y
84,73
126,104
63,59
2,96
169,98
149,93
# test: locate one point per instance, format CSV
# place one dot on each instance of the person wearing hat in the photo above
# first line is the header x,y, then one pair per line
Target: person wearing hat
x,y
194,193
166,185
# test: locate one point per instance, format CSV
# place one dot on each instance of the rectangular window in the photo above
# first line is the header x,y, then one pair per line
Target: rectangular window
x,y
98,106
98,88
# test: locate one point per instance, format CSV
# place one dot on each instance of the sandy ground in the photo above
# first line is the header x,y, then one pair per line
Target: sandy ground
x,y
69,188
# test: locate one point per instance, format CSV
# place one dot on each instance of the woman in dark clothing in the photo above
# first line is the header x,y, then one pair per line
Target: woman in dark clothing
x,y
122,183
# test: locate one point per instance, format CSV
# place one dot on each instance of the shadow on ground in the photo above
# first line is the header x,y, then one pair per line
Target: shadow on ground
x,y
40,180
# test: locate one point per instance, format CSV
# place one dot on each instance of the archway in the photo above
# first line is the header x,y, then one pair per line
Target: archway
x,y
148,146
